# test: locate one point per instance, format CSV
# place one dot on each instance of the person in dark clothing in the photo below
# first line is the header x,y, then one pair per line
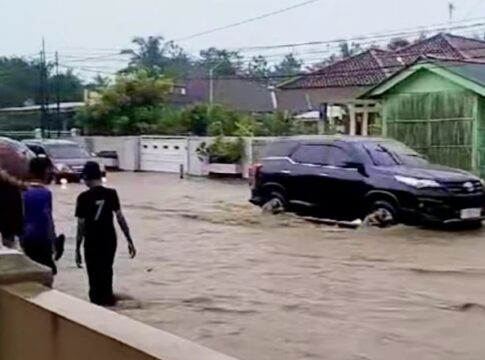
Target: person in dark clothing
x,y
94,210
11,209
38,238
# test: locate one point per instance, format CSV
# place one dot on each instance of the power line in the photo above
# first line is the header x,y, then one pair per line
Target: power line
x,y
247,21
303,56
368,40
376,36
334,74
244,62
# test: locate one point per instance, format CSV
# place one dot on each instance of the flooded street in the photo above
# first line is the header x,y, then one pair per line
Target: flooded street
x,y
212,269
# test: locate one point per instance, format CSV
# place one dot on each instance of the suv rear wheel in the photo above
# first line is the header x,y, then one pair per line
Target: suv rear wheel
x,y
381,213
276,202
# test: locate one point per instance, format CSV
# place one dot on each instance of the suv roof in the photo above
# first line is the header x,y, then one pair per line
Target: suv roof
x,y
344,138
285,146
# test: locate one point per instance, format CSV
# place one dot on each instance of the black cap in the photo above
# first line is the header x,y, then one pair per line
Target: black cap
x,y
92,171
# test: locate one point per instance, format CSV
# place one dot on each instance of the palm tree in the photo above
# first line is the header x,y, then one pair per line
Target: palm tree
x,y
149,55
156,56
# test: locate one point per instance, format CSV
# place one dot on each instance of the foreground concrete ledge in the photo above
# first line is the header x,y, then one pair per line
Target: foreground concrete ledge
x,y
15,267
147,341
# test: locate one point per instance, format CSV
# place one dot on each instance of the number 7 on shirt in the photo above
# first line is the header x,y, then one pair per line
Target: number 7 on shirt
x,y
100,205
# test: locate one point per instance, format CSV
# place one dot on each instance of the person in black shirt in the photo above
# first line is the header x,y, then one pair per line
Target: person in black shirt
x,y
94,210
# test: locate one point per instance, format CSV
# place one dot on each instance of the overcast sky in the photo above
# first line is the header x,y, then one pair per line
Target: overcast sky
x,y
94,26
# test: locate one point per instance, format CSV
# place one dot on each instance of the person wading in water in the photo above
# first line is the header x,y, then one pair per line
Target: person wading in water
x,y
38,239
95,209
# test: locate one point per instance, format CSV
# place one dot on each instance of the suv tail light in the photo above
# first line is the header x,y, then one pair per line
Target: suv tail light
x,y
254,172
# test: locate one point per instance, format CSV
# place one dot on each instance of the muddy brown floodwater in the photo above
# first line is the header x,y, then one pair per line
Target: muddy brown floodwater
x,y
212,269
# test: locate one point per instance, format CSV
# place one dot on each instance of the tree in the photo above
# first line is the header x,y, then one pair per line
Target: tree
x,y
397,43
221,61
288,67
156,56
259,68
69,86
349,49
98,83
20,83
132,104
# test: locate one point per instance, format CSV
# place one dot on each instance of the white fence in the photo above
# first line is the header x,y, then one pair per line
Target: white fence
x,y
133,152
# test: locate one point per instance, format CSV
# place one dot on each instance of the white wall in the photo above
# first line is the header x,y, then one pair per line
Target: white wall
x,y
127,148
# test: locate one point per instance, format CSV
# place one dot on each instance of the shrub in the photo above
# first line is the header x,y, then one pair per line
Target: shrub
x,y
222,151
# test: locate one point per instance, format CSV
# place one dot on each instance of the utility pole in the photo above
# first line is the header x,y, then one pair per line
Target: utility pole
x,y
451,10
58,95
42,93
211,81
211,86
46,85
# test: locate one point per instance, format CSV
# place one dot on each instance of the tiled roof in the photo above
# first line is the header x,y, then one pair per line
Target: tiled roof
x,y
373,66
236,93
361,70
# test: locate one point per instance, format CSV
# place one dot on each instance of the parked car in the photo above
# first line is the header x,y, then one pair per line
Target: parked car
x,y
67,157
350,177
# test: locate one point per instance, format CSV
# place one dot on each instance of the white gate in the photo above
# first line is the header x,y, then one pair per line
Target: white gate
x,y
163,154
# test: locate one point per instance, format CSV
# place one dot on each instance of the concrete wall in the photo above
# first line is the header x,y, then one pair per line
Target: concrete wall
x,y
127,148
38,323
196,167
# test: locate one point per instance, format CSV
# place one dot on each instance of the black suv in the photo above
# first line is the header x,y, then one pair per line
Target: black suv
x,y
350,177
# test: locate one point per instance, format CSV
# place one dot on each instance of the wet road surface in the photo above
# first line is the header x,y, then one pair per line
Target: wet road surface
x,y
212,269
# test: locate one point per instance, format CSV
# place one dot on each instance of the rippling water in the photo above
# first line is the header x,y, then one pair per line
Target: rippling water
x,y
211,268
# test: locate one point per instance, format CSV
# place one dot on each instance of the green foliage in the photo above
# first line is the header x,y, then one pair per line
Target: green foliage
x,y
70,87
131,105
20,81
155,56
221,61
277,125
222,151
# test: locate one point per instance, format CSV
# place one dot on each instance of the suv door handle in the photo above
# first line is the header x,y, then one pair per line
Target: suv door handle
x,y
324,174
285,171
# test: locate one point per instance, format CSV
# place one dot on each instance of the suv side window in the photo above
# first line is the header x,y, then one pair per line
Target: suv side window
x,y
310,154
337,156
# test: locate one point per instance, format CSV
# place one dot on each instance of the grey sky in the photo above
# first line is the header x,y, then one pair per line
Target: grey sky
x,y
84,27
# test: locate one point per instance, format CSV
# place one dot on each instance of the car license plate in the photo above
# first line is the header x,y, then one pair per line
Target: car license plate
x,y
471,213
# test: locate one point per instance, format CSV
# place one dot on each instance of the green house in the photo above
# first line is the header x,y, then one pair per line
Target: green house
x,y
438,108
